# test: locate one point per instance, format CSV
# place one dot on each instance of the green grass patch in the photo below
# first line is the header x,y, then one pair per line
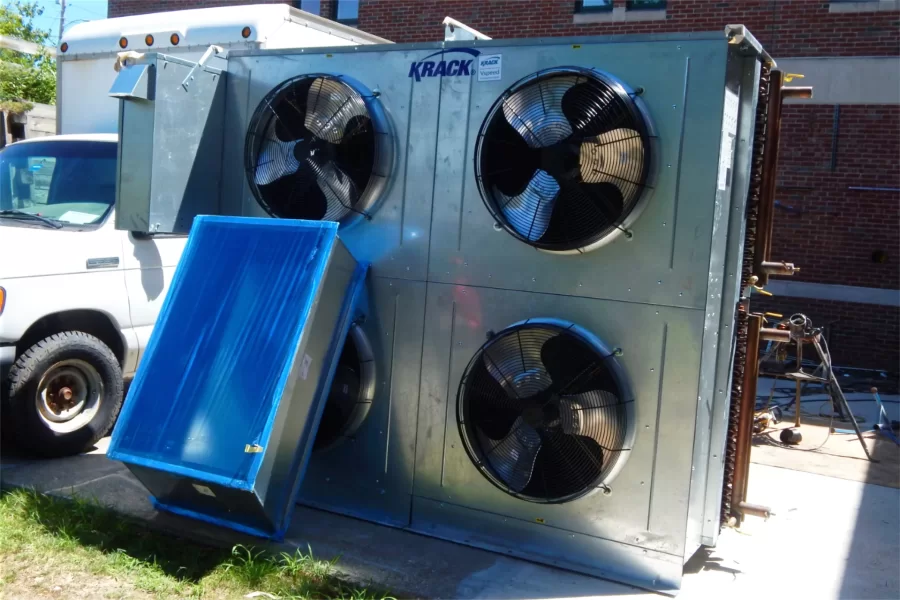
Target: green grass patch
x,y
76,548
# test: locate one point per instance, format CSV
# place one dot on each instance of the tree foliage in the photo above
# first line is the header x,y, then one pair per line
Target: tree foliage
x,y
25,78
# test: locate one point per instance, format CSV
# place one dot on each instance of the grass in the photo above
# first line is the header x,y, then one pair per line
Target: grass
x,y
52,547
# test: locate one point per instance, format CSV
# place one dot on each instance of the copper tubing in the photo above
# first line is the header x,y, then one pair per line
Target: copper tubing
x,y
748,404
775,335
768,267
798,92
754,510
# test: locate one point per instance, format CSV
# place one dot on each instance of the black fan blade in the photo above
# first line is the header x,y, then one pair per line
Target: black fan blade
x,y
299,196
536,111
594,108
289,109
507,162
275,158
513,458
529,212
337,187
487,405
565,465
572,365
355,155
583,210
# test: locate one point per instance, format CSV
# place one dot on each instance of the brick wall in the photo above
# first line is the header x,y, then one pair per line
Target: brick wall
x,y
785,27
836,235
831,231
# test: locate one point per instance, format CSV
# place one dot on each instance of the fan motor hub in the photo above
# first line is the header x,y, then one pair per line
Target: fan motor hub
x,y
542,411
313,146
561,159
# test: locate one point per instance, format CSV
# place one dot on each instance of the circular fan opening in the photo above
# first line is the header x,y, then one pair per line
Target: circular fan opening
x,y
352,391
544,412
563,159
318,148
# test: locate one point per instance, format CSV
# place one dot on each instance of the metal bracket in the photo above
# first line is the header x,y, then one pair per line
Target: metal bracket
x,y
210,52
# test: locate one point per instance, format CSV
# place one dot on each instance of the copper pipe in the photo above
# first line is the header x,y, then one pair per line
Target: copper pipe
x,y
768,267
745,424
754,510
798,92
775,335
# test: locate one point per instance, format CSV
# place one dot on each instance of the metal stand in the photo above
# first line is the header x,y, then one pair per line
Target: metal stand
x,y
802,332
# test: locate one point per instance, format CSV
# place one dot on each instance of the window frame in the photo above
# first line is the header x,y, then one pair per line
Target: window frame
x,y
337,10
651,5
580,8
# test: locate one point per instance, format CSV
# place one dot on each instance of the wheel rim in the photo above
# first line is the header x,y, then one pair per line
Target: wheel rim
x,y
69,395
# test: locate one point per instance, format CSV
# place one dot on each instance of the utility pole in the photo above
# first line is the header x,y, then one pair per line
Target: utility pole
x,y
62,18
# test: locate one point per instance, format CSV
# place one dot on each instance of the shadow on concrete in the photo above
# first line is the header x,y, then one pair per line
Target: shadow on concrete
x,y
872,563
703,560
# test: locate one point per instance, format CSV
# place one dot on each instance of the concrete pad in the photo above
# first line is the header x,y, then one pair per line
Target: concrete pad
x,y
829,538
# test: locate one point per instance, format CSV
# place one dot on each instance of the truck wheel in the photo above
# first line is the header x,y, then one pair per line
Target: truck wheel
x,y
65,392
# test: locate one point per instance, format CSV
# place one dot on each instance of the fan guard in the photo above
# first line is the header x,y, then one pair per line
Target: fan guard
x,y
544,411
563,159
318,147
352,392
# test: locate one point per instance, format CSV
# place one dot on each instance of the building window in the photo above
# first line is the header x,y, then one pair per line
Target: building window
x,y
310,6
646,5
590,6
348,12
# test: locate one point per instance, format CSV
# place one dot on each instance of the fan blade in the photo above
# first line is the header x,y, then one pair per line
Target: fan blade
x,y
330,105
593,108
512,459
536,111
275,158
338,188
593,415
615,157
572,365
517,367
583,210
529,212
298,195
488,406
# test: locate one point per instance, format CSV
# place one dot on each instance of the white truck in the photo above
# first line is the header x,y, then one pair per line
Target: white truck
x,y
78,298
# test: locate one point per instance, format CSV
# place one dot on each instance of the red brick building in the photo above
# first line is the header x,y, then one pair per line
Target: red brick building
x,y
838,202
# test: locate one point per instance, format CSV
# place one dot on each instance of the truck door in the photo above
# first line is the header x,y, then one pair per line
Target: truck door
x,y
150,262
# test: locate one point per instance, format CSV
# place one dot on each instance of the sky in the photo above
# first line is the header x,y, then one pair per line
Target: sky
x,y
76,11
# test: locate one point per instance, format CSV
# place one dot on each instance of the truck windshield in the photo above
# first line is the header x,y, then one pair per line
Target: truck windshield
x,y
72,182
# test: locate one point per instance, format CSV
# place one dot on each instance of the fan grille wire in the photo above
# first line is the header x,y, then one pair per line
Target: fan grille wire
x,y
314,150
534,437
563,159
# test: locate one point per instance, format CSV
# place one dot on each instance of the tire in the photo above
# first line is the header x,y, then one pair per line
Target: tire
x,y
65,393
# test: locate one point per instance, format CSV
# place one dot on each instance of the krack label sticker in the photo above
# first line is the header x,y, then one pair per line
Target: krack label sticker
x,y
490,68
455,62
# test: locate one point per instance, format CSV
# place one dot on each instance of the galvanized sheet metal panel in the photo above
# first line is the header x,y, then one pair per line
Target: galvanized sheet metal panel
x,y
667,260
370,475
656,342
